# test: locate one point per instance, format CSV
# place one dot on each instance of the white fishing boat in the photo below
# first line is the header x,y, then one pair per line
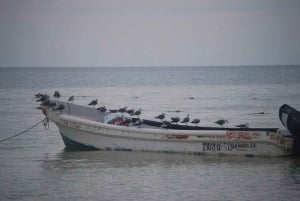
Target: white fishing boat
x,y
86,127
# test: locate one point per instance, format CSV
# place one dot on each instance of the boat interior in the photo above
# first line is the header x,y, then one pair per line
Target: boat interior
x,y
92,114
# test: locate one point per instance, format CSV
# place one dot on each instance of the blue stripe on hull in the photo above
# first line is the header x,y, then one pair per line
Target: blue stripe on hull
x,y
76,145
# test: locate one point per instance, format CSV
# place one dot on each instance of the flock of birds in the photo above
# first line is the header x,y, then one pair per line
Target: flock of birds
x,y
45,101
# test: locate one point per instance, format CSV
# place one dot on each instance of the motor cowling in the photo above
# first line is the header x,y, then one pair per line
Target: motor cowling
x,y
290,118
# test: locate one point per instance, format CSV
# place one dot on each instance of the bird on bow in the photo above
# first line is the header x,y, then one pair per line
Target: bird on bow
x,y
52,104
46,102
60,107
42,97
93,102
38,95
56,94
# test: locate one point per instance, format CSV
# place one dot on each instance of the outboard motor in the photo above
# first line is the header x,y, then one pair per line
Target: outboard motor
x,y
290,118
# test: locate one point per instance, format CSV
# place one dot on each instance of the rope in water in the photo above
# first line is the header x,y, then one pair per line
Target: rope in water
x,y
45,122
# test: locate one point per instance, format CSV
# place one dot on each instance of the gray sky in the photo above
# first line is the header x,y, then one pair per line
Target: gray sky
x,y
149,32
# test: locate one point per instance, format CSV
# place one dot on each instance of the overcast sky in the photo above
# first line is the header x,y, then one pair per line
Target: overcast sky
x,y
149,32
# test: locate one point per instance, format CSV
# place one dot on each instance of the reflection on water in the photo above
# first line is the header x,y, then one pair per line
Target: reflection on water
x,y
156,176
119,159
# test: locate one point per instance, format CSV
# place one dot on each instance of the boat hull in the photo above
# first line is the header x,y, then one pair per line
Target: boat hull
x,y
76,138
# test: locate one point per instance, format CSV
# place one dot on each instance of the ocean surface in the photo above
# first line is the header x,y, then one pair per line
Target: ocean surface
x,y
36,166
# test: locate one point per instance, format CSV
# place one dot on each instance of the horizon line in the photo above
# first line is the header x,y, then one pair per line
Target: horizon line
x,y
260,65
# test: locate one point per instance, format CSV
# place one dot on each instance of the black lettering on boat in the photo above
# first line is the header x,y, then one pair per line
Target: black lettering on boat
x,y
212,147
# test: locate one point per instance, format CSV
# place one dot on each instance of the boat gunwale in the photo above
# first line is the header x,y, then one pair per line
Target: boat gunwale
x,y
155,131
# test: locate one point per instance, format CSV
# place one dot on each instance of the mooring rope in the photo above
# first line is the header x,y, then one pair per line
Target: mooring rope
x,y
45,122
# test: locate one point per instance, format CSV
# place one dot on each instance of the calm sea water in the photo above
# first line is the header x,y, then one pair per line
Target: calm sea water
x,y
35,166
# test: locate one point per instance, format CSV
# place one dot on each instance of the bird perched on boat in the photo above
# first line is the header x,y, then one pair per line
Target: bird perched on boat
x,y
195,121
221,122
161,116
38,95
60,107
130,112
42,97
52,104
165,124
186,119
56,94
102,109
93,102
138,112
46,102
246,125
71,99
122,110
175,119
